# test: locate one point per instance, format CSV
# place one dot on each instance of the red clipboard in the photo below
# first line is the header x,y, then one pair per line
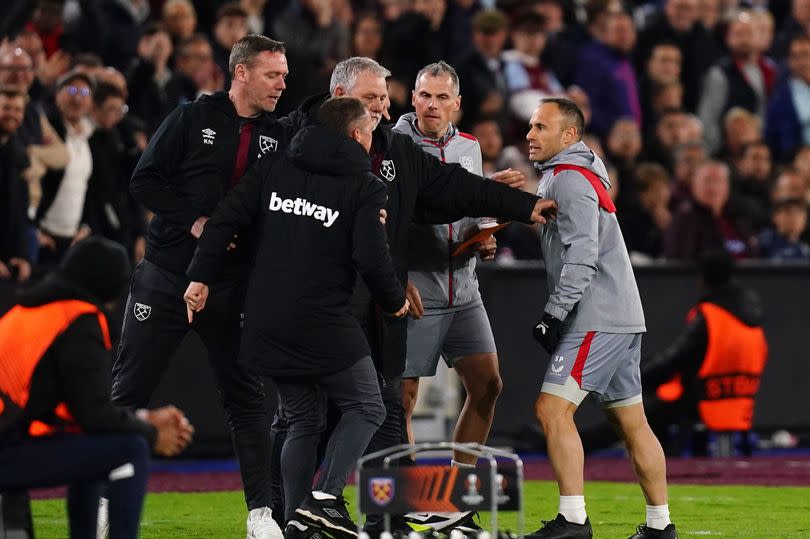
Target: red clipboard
x,y
480,237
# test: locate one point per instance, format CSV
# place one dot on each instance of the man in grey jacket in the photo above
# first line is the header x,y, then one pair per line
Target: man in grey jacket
x,y
448,318
591,325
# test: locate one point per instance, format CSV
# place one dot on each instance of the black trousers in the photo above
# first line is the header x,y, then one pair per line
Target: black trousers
x,y
84,463
155,323
391,432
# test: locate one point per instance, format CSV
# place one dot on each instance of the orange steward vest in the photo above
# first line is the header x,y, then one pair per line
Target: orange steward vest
x,y
729,376
26,333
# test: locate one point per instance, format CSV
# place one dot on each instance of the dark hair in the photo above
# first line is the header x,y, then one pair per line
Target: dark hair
x,y
647,174
341,113
527,20
12,93
191,40
104,91
786,203
74,75
716,267
438,69
571,112
246,49
231,9
88,59
152,28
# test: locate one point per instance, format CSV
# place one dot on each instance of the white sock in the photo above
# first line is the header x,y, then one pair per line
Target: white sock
x,y
320,495
658,516
573,509
458,464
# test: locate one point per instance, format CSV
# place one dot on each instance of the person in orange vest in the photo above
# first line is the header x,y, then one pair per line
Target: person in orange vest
x,y
711,372
58,425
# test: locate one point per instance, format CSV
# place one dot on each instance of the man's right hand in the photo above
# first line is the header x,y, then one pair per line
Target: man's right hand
x,y
403,311
198,226
174,430
415,299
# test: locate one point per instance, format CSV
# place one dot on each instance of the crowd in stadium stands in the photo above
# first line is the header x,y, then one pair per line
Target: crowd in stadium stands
x,y
701,108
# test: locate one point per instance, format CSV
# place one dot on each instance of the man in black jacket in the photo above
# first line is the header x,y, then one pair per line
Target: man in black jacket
x,y
200,151
421,187
57,423
317,206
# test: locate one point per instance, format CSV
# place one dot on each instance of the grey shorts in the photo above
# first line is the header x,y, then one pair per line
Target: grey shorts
x,y
603,363
449,334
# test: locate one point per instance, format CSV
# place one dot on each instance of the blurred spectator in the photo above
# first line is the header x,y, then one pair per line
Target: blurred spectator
x,y
316,40
710,12
783,241
801,164
367,36
662,72
47,23
789,184
708,221
179,20
148,76
229,27
15,259
671,131
753,180
787,124
121,24
481,72
578,96
644,222
195,72
564,40
527,80
687,158
745,78
61,215
606,74
47,69
256,16
488,133
678,23
622,150
796,24
740,127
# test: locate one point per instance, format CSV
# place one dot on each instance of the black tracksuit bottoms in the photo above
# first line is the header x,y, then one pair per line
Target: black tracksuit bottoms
x,y
117,464
155,323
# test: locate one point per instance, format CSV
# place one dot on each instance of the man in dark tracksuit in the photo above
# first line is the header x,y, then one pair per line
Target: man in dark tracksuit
x,y
199,152
418,184
317,205
58,425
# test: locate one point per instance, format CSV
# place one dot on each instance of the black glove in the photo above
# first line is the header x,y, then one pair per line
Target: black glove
x,y
548,332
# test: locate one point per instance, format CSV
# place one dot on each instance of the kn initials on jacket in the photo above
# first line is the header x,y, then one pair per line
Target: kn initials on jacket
x,y
443,281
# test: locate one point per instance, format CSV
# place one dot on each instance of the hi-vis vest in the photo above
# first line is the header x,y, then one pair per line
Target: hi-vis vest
x,y
729,376
26,333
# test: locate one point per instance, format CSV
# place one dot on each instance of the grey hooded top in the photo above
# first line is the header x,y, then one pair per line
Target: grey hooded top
x,y
590,279
444,281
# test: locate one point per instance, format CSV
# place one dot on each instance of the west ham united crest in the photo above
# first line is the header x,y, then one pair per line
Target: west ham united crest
x,y
387,170
381,490
141,311
267,144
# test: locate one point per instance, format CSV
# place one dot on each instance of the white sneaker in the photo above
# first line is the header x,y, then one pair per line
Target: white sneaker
x,y
103,522
260,525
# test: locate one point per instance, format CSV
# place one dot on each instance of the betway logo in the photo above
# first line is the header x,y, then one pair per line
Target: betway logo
x,y
301,206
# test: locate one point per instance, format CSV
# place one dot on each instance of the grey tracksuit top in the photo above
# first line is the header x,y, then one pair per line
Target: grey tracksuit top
x,y
590,279
443,281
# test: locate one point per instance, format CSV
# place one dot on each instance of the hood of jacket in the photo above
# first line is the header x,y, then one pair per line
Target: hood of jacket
x,y
580,155
740,301
323,150
407,125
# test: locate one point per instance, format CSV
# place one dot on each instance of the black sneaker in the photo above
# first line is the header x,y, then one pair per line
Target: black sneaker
x,y
375,525
559,528
300,530
330,515
643,532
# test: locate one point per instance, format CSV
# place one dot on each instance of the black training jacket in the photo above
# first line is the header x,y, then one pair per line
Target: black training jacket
x,y
420,188
185,171
316,208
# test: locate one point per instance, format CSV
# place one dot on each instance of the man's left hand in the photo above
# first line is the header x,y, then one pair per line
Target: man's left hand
x,y
548,332
544,209
487,249
512,178
23,268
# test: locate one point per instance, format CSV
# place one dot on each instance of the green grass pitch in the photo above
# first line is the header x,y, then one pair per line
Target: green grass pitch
x,y
614,509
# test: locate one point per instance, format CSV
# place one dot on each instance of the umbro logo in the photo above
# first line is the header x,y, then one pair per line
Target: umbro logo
x,y
332,512
208,135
